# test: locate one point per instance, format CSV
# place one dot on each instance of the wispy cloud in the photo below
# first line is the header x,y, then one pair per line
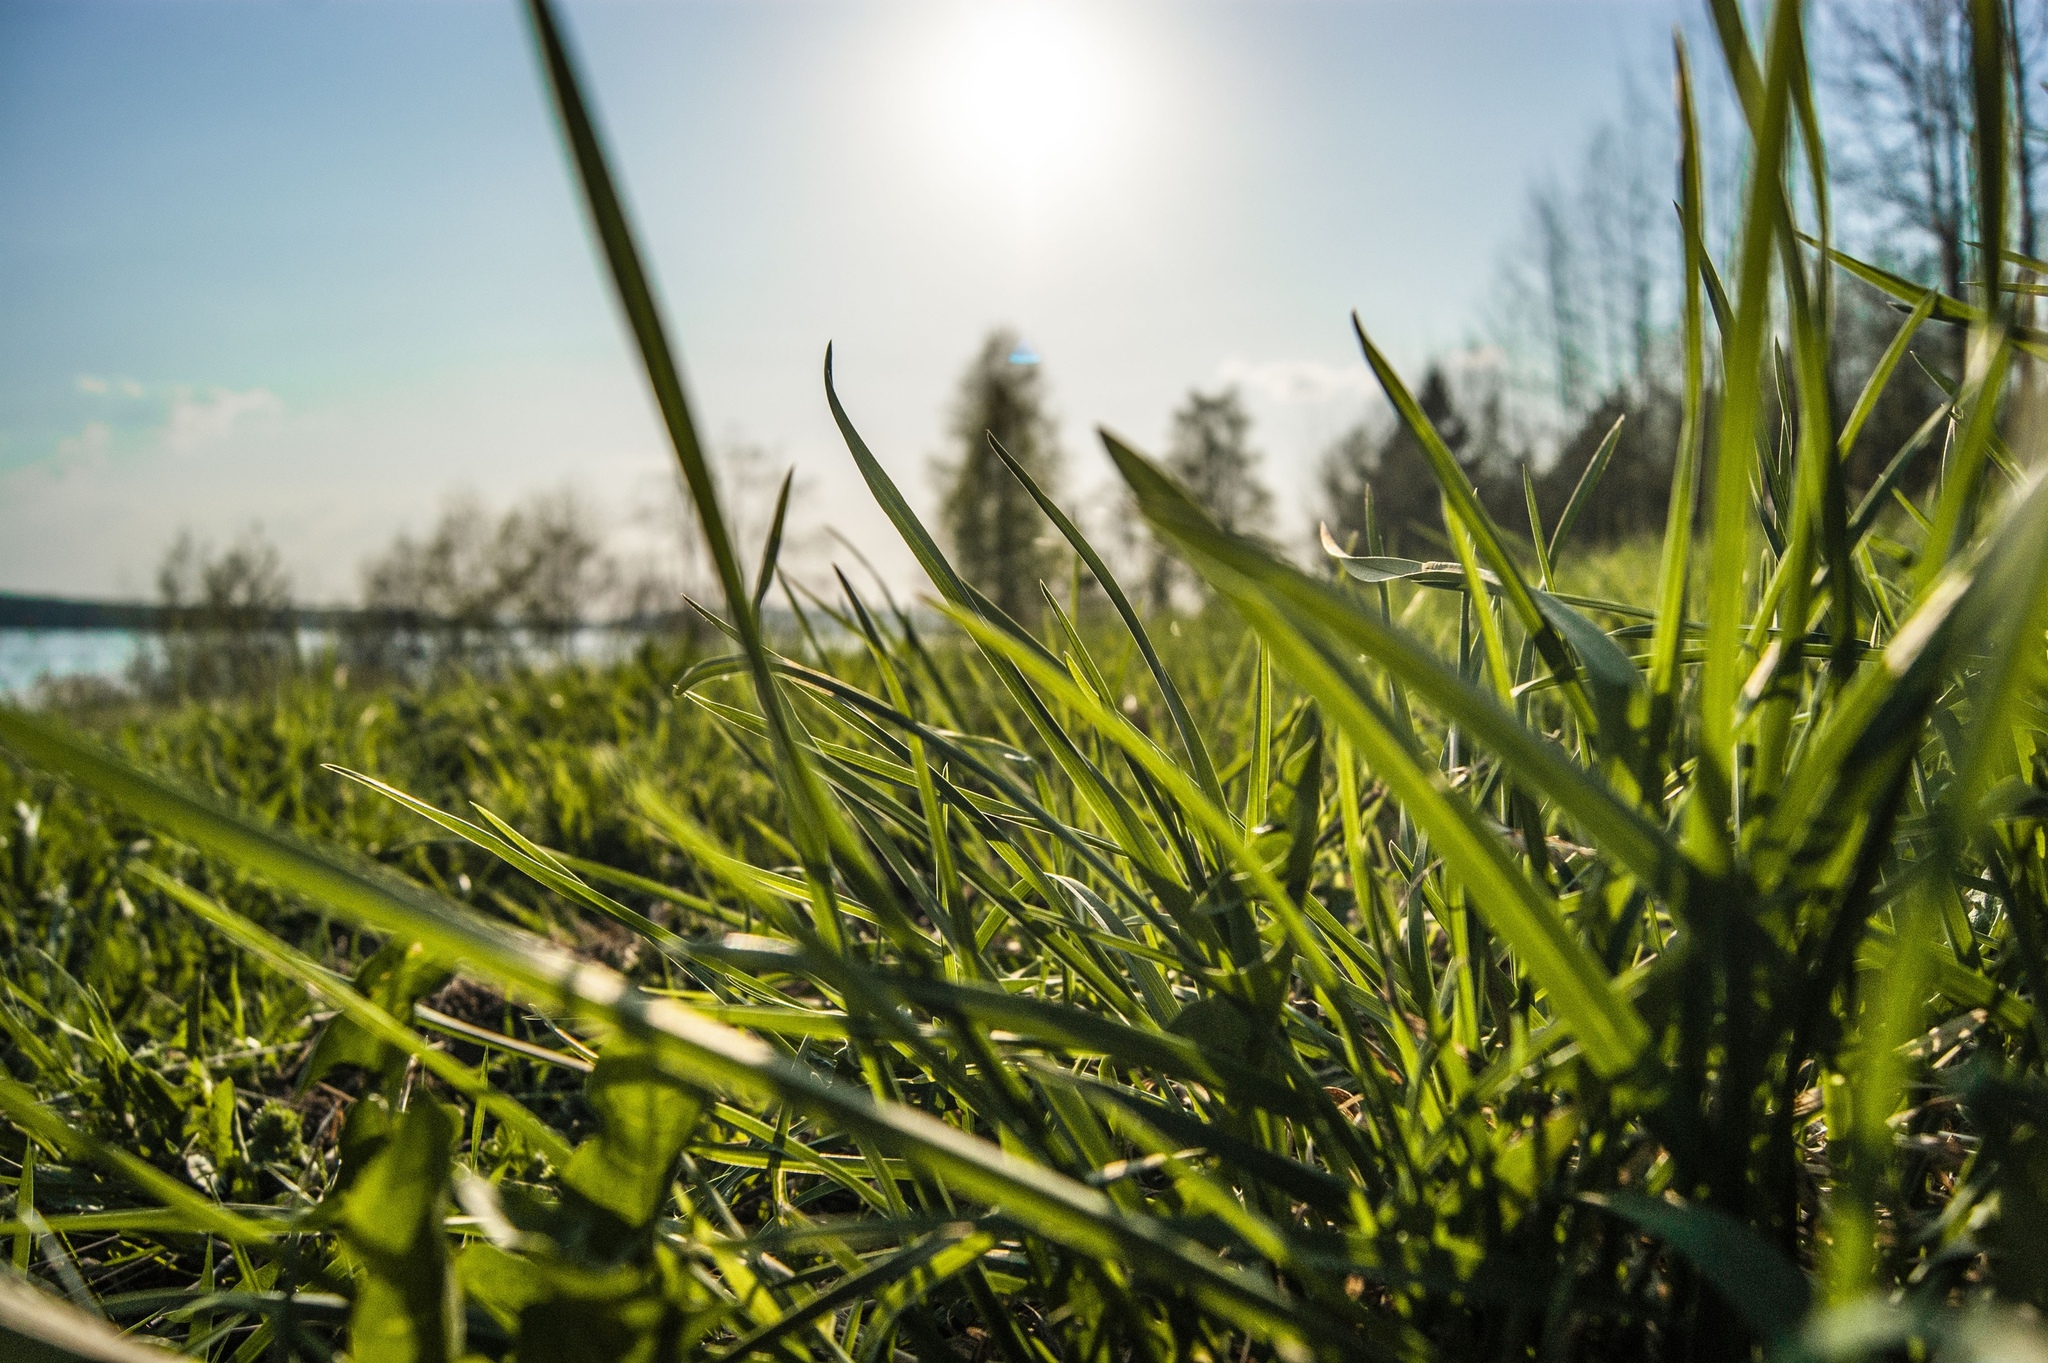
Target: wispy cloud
x,y
178,418
92,442
99,386
331,482
201,418
1294,382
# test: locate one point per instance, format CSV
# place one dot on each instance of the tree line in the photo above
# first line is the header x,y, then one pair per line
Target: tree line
x,y
1581,338
1581,327
480,590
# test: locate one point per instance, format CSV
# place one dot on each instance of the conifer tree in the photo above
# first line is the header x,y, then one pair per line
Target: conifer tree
x,y
1210,453
998,537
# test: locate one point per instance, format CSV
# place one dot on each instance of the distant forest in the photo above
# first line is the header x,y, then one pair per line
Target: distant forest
x,y
1578,345
1582,327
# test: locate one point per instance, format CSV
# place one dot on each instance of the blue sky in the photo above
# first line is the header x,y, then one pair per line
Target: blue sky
x,y
316,264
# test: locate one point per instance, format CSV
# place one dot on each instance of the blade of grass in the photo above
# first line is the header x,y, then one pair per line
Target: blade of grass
x,y
686,1044
340,995
1741,407
1611,1032
1176,706
1582,491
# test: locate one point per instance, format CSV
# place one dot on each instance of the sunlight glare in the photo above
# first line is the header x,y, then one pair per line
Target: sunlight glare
x,y
1026,94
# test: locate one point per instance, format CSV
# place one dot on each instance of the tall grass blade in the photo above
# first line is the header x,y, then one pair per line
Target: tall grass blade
x,y
1607,1025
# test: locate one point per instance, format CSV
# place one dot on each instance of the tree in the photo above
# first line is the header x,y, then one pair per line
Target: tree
x,y
1345,477
994,529
228,626
1634,492
455,595
1905,79
1210,452
1577,305
1406,501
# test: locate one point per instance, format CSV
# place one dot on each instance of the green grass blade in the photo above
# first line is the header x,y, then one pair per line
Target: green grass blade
x,y
1458,494
1183,722
1864,519
20,1105
1537,762
821,832
36,1327
687,1045
1963,472
1751,1276
1675,565
1741,410
1109,803
771,550
1536,537
1582,491
505,844
340,995
1874,386
2004,619
1522,913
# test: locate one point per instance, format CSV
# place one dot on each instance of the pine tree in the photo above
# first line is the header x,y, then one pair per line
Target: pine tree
x,y
1406,499
1210,453
1212,456
998,537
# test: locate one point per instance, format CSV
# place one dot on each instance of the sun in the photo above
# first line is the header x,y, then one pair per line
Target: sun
x,y
1026,94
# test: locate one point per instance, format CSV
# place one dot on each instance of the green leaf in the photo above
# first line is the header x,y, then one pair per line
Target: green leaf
x,y
646,1118
1753,1279
390,1219
396,977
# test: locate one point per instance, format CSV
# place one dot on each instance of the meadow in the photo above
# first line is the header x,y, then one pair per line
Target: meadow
x,y
1539,953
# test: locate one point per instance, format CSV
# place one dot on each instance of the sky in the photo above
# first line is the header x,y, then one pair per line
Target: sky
x,y
317,266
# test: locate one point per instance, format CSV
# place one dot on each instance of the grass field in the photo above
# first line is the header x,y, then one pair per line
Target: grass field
x,y
1538,954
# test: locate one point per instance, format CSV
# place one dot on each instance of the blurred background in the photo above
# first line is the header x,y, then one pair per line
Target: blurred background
x,y
298,311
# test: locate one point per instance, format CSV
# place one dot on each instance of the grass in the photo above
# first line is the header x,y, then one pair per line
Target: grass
x,y
1543,970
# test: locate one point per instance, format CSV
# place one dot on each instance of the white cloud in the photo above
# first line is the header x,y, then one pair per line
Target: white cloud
x,y
99,386
200,419
329,482
1293,382
92,442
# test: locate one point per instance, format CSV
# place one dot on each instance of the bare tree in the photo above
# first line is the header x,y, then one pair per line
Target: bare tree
x,y
1621,200
455,595
1905,84
228,626
1558,253
1580,308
